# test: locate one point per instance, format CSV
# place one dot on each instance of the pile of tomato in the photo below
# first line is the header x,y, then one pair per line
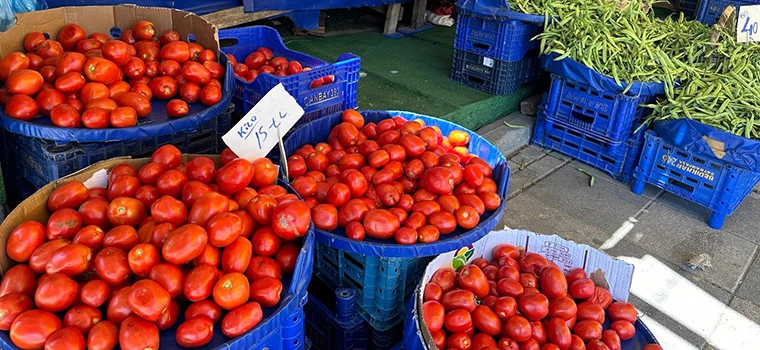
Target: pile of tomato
x,y
262,61
96,82
112,266
521,301
397,179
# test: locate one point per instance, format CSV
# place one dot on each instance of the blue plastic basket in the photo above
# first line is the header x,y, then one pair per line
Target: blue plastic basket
x,y
606,115
500,39
331,319
688,7
577,143
282,326
709,182
382,285
709,10
31,163
317,131
494,76
277,5
317,102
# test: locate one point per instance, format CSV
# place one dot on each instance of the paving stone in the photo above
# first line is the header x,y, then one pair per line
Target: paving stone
x,y
546,165
649,190
521,180
739,328
749,288
744,222
685,206
514,166
670,234
509,139
604,205
528,213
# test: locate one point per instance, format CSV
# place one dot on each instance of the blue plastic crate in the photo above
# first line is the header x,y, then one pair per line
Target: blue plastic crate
x,y
331,319
278,5
382,285
709,11
501,39
709,182
580,145
35,162
200,7
604,114
317,102
494,76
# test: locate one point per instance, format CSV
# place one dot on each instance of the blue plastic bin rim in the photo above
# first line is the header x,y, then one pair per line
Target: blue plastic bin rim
x,y
692,136
157,123
579,72
497,9
318,130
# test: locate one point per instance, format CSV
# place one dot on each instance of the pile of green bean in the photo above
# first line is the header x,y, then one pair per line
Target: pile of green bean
x,y
717,78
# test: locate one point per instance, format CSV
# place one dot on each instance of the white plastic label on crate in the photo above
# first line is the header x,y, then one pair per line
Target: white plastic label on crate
x,y
488,62
747,27
258,132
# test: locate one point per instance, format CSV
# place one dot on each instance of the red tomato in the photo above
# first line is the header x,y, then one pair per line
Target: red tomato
x,y
433,314
184,244
534,306
25,82
287,257
486,321
355,230
210,95
38,259
241,319
49,48
142,258
195,332
163,87
126,211
94,293
457,321
148,299
64,223
265,173
291,220
168,156
112,266
563,307
237,255
96,118
169,277
255,60
138,334
234,176
622,311
231,291
82,318
206,207
261,266
103,336
12,305
169,36
32,40
56,293
70,260
70,35
459,299
472,278
138,102
123,117
29,235
21,107
177,108
48,99
171,183
265,242
144,30
199,282
31,329
223,229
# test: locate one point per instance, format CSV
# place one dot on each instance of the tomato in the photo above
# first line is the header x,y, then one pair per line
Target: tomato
x,y
196,73
103,336
169,277
142,258
56,293
563,307
518,328
123,186
48,49
195,332
534,306
381,224
112,266
432,292
261,266
139,103
216,69
82,318
510,287
32,40
144,30
459,299
199,282
405,235
21,278
64,223
265,173
291,220
123,117
177,108
588,330
163,87
178,51
445,222
96,118
94,293
138,334
472,278
234,176
123,237
184,244
486,321
12,305
505,307
148,299
444,277
294,67
231,291
168,37
266,291
355,230
70,62
48,99
223,229
208,206
553,282
32,328
29,235
255,60
70,35
25,82
101,70
89,44
622,311
237,255
241,319
71,260
39,257
558,332
21,107
457,321
597,344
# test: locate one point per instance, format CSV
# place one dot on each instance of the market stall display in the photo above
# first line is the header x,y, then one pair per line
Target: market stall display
x,y
321,88
187,256
516,288
382,271
108,97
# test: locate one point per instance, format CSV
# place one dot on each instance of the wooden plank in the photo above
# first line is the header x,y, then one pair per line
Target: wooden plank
x,y
391,18
235,16
418,13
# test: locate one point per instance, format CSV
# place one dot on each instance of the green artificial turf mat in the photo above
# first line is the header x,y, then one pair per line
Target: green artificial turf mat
x,y
412,74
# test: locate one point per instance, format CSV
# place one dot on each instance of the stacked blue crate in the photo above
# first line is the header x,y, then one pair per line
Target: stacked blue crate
x,y
709,11
493,50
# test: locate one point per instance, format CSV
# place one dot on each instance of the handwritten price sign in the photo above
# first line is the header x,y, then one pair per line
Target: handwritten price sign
x,y
747,24
261,128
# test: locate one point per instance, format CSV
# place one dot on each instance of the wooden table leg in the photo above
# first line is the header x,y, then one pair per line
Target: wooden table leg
x,y
391,18
418,13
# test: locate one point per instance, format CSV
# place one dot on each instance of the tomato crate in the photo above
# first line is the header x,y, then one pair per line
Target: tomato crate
x,y
709,11
500,39
607,115
31,163
316,100
589,149
382,285
715,184
494,76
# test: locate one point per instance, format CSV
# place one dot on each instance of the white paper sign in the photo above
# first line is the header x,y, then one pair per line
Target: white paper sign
x,y
747,24
256,134
488,62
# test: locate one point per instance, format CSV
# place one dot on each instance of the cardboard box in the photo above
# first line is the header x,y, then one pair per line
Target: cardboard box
x,y
600,267
109,20
35,207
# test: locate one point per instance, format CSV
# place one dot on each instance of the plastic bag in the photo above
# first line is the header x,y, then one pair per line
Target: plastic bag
x,y
9,9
